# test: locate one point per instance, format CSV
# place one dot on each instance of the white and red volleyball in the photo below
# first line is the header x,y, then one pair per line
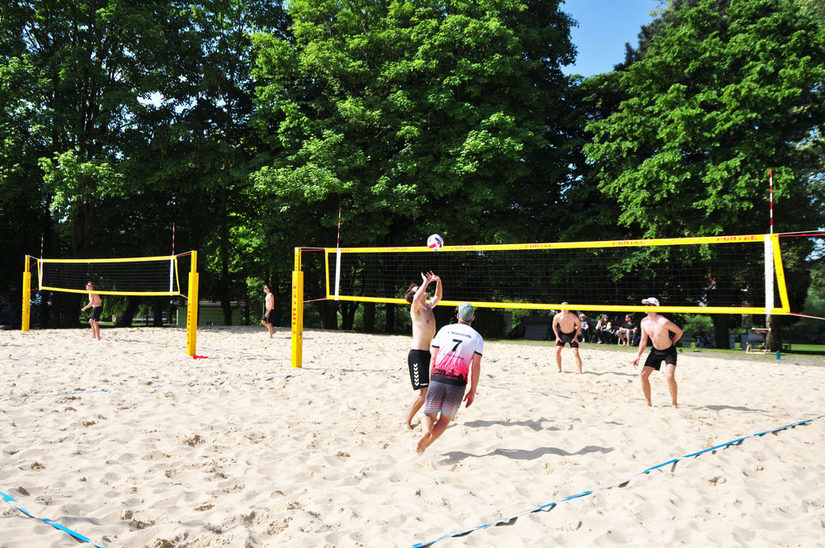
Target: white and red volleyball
x,y
435,242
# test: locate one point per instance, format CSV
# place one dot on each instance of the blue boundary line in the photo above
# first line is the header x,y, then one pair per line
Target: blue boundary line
x,y
77,536
549,506
150,386
12,501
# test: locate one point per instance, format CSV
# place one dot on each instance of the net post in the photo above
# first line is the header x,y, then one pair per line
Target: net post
x,y
768,277
27,290
192,308
297,311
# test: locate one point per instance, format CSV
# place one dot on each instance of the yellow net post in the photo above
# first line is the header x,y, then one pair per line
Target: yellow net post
x,y
297,310
27,290
192,308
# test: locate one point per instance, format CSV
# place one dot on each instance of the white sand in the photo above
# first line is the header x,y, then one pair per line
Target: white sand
x,y
232,451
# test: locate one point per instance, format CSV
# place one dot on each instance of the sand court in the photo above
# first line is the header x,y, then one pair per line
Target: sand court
x,y
130,442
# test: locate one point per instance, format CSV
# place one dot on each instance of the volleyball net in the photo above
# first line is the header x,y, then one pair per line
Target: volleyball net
x,y
169,275
702,275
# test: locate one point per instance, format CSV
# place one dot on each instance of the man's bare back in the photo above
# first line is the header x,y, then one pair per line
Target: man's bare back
x,y
567,321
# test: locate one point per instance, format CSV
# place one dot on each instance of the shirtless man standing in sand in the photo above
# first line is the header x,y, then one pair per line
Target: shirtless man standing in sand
x,y
658,328
96,305
269,315
423,330
567,327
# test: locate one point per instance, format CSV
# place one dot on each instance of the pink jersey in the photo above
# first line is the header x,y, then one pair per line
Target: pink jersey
x,y
457,345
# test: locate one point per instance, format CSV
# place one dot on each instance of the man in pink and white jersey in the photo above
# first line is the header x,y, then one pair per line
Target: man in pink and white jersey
x,y
455,362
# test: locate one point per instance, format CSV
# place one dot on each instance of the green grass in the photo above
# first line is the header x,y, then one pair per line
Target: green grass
x,y
807,348
786,358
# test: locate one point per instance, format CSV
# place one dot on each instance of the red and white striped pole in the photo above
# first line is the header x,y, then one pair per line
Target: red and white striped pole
x,y
338,256
769,272
173,238
338,242
771,185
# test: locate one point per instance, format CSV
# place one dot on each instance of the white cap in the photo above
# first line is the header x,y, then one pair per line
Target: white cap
x,y
651,300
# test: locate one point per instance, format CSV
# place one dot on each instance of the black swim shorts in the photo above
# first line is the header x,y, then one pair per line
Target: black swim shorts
x,y
567,338
96,310
656,356
419,362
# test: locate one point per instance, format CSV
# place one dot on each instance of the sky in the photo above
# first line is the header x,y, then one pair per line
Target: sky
x,y
604,27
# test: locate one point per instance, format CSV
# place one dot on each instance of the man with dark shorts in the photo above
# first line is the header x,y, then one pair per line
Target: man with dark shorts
x,y
269,314
658,329
423,329
567,327
96,304
456,362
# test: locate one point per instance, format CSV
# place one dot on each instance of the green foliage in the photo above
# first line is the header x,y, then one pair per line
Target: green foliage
x,y
409,115
72,181
724,93
696,324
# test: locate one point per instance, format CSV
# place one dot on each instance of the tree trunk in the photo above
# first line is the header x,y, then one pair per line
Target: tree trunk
x,y
66,310
157,311
223,286
389,325
125,319
369,317
329,315
348,315
721,330
773,339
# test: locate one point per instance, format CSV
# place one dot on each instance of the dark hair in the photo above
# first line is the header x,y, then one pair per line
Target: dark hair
x,y
266,285
411,291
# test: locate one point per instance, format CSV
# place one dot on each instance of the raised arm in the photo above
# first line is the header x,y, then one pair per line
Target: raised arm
x,y
418,299
438,291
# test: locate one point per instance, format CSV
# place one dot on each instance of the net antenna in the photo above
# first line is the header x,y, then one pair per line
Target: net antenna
x,y
737,275
129,276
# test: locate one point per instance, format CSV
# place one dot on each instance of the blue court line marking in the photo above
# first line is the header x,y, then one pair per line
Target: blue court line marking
x,y
11,500
191,383
550,505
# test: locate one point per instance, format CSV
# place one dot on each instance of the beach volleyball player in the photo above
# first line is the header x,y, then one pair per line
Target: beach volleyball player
x,y
456,361
96,304
663,335
423,329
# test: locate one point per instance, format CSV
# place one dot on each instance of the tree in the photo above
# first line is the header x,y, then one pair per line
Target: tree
x,y
416,117
726,91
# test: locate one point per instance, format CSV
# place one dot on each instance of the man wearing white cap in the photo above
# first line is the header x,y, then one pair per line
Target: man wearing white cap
x,y
567,328
456,360
658,329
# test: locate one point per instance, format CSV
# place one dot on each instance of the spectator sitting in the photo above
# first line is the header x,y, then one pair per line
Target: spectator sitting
x,y
587,333
604,330
627,331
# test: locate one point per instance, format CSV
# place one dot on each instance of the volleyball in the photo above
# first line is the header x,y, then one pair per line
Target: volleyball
x,y
435,242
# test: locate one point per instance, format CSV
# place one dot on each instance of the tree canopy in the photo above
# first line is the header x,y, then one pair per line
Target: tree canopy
x,y
249,123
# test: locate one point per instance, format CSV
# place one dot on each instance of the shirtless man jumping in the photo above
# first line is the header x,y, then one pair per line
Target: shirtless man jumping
x,y
658,329
423,330
567,327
